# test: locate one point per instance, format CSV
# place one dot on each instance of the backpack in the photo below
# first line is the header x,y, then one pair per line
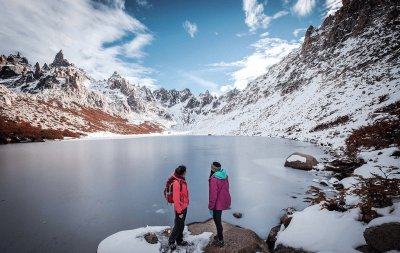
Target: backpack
x,y
168,192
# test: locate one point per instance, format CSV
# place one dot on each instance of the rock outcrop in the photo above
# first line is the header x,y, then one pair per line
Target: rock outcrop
x,y
236,239
59,60
151,238
301,161
285,249
384,237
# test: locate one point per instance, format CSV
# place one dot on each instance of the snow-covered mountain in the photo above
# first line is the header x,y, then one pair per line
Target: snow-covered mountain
x,y
62,96
344,72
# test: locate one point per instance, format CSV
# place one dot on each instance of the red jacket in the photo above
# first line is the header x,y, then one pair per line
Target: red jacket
x,y
181,197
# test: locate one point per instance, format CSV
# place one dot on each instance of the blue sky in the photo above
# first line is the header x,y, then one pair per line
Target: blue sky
x,y
222,36
216,45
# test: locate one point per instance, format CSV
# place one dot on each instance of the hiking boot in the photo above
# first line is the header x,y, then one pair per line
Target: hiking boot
x,y
172,246
183,243
218,243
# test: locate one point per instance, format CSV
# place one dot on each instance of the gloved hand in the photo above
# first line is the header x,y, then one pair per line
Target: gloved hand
x,y
211,212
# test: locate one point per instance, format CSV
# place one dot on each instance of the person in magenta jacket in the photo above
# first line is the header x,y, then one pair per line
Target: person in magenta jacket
x,y
219,199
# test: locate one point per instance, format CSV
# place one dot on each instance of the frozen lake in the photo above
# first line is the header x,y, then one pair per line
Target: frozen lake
x,y
68,196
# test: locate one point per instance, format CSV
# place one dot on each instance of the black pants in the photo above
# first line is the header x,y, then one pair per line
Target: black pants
x,y
217,215
177,231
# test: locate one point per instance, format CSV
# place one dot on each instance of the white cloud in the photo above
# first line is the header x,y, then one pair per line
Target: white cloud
x,y
120,4
267,52
255,17
304,7
264,34
226,64
240,35
331,6
143,3
39,29
280,14
297,31
134,47
191,28
198,80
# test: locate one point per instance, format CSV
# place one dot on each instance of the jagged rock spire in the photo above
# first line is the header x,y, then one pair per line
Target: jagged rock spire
x,y
38,71
59,60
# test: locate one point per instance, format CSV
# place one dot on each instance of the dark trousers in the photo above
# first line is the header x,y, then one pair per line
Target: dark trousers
x,y
217,215
177,231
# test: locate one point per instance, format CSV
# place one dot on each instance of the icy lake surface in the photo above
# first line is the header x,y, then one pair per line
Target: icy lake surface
x,y
68,196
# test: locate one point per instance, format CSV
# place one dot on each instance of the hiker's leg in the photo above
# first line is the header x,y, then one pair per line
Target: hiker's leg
x,y
218,223
179,238
175,230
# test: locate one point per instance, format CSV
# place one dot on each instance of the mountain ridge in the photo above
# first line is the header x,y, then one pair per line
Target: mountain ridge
x,y
343,73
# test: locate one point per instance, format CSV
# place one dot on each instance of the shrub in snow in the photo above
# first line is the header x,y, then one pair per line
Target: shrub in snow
x,y
381,134
375,192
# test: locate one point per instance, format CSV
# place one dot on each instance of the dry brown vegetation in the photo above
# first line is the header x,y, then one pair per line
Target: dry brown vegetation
x,y
93,119
21,131
338,121
375,192
102,121
381,134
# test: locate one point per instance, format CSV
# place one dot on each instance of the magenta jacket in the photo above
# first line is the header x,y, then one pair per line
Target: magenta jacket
x,y
219,196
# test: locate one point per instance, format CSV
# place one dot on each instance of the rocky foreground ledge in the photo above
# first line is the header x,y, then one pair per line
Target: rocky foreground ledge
x,y
199,235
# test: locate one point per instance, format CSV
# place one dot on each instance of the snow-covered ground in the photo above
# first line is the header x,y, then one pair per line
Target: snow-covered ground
x,y
318,230
129,241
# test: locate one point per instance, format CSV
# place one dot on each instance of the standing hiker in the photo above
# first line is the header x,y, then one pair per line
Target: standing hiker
x,y
180,198
219,199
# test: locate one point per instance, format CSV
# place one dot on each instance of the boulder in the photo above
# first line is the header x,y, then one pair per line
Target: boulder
x,y
384,237
237,215
285,220
237,239
301,161
284,249
271,238
366,249
151,238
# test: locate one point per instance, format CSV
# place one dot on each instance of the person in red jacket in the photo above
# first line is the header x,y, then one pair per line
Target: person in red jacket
x,y
219,199
181,202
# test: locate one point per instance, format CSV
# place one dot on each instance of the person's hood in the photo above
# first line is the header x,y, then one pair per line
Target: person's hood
x,y
220,174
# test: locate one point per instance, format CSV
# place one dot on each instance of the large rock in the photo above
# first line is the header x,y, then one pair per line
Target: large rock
x,y
285,249
384,237
237,239
271,238
151,238
301,161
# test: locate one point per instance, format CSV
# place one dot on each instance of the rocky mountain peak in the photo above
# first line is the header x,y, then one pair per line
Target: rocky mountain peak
x,y
38,71
307,39
115,75
59,60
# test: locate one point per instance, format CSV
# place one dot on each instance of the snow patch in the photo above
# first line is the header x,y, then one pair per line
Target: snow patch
x,y
295,158
129,241
319,230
